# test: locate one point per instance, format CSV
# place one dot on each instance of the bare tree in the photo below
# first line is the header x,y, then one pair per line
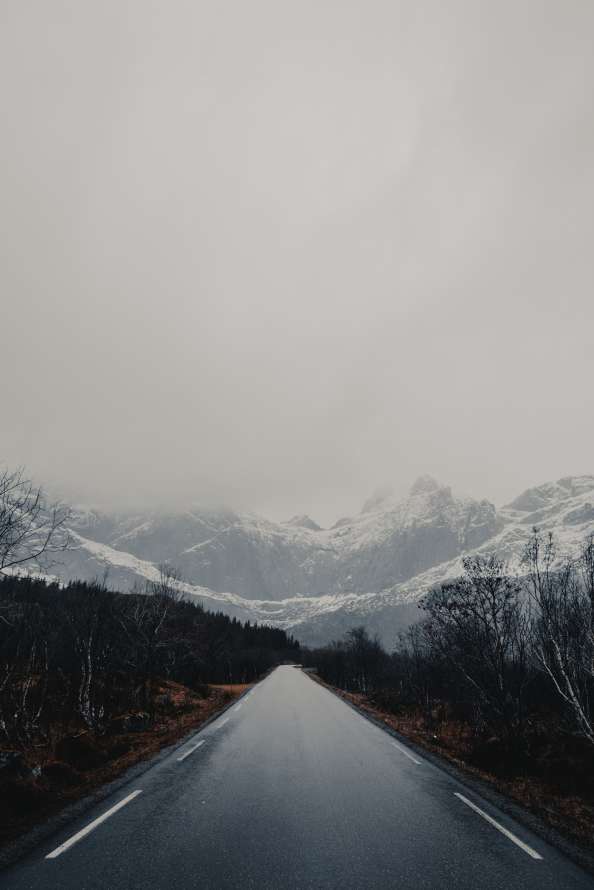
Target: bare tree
x,y
30,527
145,625
364,655
564,645
89,615
586,565
169,583
417,662
480,625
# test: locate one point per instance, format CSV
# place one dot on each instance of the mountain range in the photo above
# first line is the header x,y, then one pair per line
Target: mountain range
x,y
369,569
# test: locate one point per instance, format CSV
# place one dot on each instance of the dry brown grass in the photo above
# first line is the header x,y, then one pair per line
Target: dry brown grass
x,y
25,803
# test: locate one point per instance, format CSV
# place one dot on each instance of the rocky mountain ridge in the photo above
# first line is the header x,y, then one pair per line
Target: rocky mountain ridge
x,y
370,568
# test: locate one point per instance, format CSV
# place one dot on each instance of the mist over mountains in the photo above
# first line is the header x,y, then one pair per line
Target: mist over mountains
x,y
371,568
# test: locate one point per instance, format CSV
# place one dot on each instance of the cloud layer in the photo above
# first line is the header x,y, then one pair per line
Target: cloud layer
x,y
273,254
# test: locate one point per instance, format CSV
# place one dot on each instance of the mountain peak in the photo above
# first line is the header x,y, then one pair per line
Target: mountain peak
x,y
379,497
302,520
549,493
425,485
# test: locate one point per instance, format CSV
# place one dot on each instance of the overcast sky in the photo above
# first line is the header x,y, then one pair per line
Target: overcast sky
x,y
275,254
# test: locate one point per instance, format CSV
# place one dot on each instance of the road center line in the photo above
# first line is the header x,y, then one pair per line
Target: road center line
x,y
495,824
222,723
190,750
237,707
406,753
91,826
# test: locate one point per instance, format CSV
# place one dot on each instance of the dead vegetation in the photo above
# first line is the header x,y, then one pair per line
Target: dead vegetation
x,y
41,779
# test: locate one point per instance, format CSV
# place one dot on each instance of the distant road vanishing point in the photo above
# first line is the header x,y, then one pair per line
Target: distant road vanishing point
x,y
291,789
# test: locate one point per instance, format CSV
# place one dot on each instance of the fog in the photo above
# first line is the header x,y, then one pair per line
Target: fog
x,y
274,254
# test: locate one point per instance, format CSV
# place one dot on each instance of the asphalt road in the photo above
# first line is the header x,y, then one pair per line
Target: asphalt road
x,y
293,789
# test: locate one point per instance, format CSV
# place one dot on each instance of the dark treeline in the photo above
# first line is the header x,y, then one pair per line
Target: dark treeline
x,y
510,659
84,654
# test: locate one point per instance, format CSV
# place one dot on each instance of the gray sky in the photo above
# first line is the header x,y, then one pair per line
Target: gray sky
x,y
277,253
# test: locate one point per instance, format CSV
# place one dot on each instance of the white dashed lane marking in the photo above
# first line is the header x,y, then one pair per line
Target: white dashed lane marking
x,y
190,750
91,826
406,753
499,827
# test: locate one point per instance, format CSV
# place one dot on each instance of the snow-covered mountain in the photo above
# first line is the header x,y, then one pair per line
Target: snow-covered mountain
x,y
371,568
